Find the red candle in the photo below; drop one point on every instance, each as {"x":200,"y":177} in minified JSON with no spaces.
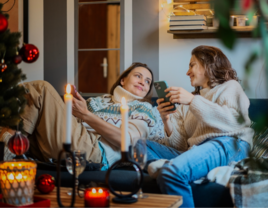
{"x":97,"y":197}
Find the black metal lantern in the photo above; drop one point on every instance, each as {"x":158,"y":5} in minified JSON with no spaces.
{"x":66,"y":149}
{"x":120,"y":198}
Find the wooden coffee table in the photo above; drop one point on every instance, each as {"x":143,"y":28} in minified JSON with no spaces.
{"x":154,"y":200}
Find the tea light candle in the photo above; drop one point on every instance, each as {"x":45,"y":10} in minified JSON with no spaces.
{"x":124,"y":125}
{"x":68,"y":98}
{"x":97,"y":197}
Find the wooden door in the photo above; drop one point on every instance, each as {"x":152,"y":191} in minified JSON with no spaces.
{"x":92,"y":35}
{"x":99,"y":38}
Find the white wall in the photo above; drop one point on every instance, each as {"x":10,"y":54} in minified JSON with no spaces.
{"x":34,"y":71}
{"x":175,"y":54}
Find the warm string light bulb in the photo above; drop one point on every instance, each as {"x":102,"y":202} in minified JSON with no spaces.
{"x":163,"y":6}
{"x":169,"y":1}
{"x":180,"y":6}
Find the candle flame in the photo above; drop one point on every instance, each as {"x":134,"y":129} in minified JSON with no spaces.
{"x":19,"y":176}
{"x":123,"y":101}
{"x":100,"y":191}
{"x":68,"y":89}
{"x":10,"y":176}
{"x":93,"y":191}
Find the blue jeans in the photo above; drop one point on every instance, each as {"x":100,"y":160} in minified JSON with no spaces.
{"x":176,"y":175}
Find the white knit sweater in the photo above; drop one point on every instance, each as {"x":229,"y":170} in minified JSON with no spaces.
{"x":221,"y":111}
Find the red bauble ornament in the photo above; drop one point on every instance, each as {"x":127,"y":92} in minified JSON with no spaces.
{"x":246,"y":4}
{"x":17,"y":59}
{"x":3,"y":23}
{"x":45,"y":183}
{"x":18,"y":144}
{"x":29,"y":53}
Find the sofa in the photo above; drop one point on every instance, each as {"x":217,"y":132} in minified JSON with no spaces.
{"x":205,"y":195}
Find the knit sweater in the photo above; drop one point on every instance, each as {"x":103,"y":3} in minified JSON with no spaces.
{"x":141,"y":120}
{"x":220,"y":111}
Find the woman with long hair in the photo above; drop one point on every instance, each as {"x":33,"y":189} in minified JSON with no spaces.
{"x":99,"y":132}
{"x":209,"y":128}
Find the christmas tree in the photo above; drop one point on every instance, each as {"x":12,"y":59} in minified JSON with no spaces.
{"x":12,"y":95}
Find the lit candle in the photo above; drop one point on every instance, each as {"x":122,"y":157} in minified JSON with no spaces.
{"x":124,"y":126}
{"x":68,"y":98}
{"x":97,"y":197}
{"x":17,"y":182}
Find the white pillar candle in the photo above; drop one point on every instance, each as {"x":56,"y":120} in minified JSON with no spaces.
{"x":68,"y":98}
{"x":124,"y":126}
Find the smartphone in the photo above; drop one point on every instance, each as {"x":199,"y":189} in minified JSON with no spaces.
{"x":73,"y":91}
{"x":160,"y":87}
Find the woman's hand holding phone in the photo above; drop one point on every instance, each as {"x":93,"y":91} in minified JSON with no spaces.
{"x":179,"y":95}
{"x":164,"y":109}
{"x":79,"y":106}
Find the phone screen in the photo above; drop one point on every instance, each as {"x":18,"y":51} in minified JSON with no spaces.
{"x":73,"y":91}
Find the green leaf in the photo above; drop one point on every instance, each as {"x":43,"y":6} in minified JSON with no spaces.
{"x":264,"y":7}
{"x":250,"y":14}
{"x":227,"y":36}
{"x":252,"y":58}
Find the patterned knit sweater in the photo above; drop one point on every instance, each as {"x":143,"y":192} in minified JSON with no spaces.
{"x":141,"y":123}
{"x":221,"y":111}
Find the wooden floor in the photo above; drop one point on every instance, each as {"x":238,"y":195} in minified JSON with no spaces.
{"x":154,"y":200}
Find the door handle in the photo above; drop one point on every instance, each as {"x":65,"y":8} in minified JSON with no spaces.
{"x":105,"y":67}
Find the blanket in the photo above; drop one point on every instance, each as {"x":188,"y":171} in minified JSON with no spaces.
{"x":249,"y":184}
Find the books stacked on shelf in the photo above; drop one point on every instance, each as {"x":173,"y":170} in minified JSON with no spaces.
{"x":189,"y":22}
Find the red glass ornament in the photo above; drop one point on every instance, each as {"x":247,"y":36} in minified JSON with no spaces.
{"x":18,"y":144}
{"x":17,"y":59}
{"x":45,"y":183}
{"x":29,"y":53}
{"x":246,"y":4}
{"x":3,"y":23}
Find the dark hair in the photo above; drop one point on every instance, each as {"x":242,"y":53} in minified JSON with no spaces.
{"x":134,"y":65}
{"x":218,"y":68}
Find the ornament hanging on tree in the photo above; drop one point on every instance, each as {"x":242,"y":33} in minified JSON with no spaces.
{"x":3,"y":23}
{"x":45,"y":183}
{"x":3,"y":66}
{"x":17,"y":59}
{"x":29,"y":53}
{"x":246,"y":4}
{"x":18,"y":144}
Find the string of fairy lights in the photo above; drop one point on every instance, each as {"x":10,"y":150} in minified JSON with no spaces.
{"x":181,"y":6}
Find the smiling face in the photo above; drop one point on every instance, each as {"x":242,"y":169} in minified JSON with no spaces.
{"x":196,"y":73}
{"x":138,"y":81}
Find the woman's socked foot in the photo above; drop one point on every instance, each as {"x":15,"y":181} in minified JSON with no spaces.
{"x":155,"y":167}
{"x":5,"y":135}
